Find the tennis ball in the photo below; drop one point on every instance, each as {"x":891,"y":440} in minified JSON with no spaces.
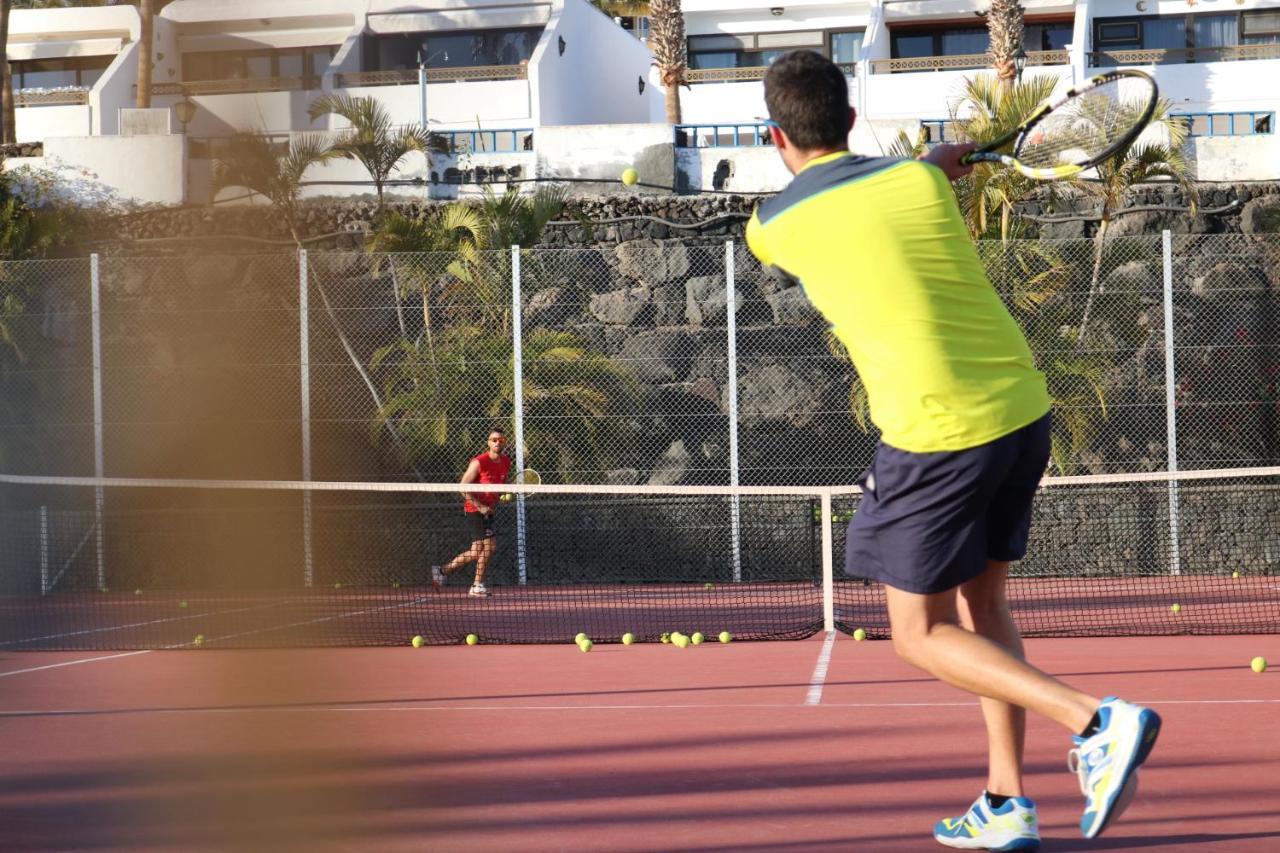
{"x":395,"y":584}
{"x":697,"y":638}
{"x":198,"y":641}
{"x":628,"y":638}
{"x":472,"y":639}
{"x":630,"y":176}
{"x":182,"y":604}
{"x":580,"y":637}
{"x":586,"y":645}
{"x":1258,"y":664}
{"x":1176,"y":608}
{"x":725,"y":636}
{"x":665,"y":637}
{"x":417,"y":641}
{"x":506,"y":498}
{"x":137,"y":592}
{"x":337,"y":586}
{"x":1235,"y":574}
{"x":682,"y":642}
{"x":859,"y":635}
{"x":708,"y":585}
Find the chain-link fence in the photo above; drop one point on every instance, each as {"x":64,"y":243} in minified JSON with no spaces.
{"x":630,"y":364}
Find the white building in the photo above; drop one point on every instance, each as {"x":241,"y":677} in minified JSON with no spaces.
{"x":555,"y":88}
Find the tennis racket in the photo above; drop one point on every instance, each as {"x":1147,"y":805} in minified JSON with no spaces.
{"x":1087,"y":125}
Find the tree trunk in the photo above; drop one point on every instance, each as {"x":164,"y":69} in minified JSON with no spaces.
{"x":9,"y":134}
{"x":146,"y":8}
{"x":1095,"y":286}
{"x":673,"y":104}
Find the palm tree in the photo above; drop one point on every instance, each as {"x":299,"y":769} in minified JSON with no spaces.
{"x":1141,"y":161}
{"x":670,"y":51}
{"x":373,"y":139}
{"x":254,"y":162}
{"x":1004,"y":25}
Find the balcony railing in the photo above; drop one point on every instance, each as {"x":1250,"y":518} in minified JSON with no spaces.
{"x":962,"y":61}
{"x":748,"y":134}
{"x":1177,"y":56}
{"x":237,"y":86}
{"x":737,"y":75}
{"x":38,"y":98}
{"x":409,"y":76}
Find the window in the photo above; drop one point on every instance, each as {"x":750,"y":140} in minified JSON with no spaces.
{"x":1228,"y":124}
{"x":1048,"y":36}
{"x":306,"y":62}
{"x":845,"y":48}
{"x":1261,"y":27}
{"x":400,"y":52}
{"x":749,"y":50}
{"x":1210,"y":32}
{"x":938,"y":131}
{"x":58,"y":73}
{"x":945,"y":41}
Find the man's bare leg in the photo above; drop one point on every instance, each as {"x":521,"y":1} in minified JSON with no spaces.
{"x":472,"y":553}
{"x":984,"y":609}
{"x":927,"y":634}
{"x":487,"y":547}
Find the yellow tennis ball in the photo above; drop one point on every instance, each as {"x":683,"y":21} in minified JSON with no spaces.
{"x":1258,"y":664}
{"x":1176,"y":608}
{"x":198,"y":641}
{"x":506,"y":498}
{"x":665,"y":637}
{"x":586,"y":645}
{"x":580,"y":637}
{"x":725,"y":636}
{"x":628,"y":638}
{"x":337,"y":586}
{"x":1235,"y":574}
{"x":697,"y":638}
{"x":395,"y":584}
{"x":859,"y":635}
{"x":182,"y":604}
{"x":417,"y":641}
{"x":682,"y":642}
{"x":137,"y":592}
{"x":630,"y":176}
{"x":708,"y":585}
{"x":472,"y":639}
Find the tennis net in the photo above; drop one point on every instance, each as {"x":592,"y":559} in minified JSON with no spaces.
{"x":103,"y":563}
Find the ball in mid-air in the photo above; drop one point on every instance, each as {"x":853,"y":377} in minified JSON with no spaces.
{"x":586,"y":645}
{"x":417,"y":641}
{"x":859,"y":635}
{"x":1258,"y":664}
{"x":472,"y":639}
{"x":725,"y":636}
{"x":1175,"y":608}
{"x":630,"y":176}
{"x":628,"y":638}
{"x":697,"y":638}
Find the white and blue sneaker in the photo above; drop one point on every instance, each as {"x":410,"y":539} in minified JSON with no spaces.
{"x":1107,"y":761}
{"x":1012,"y":826}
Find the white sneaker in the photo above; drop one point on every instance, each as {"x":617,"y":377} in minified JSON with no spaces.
{"x":1013,"y":826}
{"x":1108,"y":761}
{"x":479,"y":590}
{"x":437,"y":578}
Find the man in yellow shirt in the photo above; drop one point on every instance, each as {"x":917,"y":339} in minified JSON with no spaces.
{"x":881,"y":250}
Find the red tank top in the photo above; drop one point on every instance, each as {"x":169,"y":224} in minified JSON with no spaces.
{"x":491,"y":471}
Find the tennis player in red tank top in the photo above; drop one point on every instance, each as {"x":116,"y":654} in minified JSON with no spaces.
{"x":492,"y":466}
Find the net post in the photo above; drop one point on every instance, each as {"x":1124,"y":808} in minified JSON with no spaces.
{"x":99,"y":464}
{"x":44,"y":549}
{"x":828,"y":566}
{"x":1170,"y":401}
{"x":517,"y":412}
{"x":304,"y":373}
{"x":731,"y":334}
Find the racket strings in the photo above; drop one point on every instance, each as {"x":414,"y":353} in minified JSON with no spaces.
{"x":1086,"y":128}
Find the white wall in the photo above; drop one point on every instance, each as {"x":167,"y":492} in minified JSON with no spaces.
{"x":590,"y":152}
{"x":930,"y":94}
{"x":595,"y":81}
{"x":223,"y":115}
{"x":505,"y":103}
{"x":147,"y":169}
{"x":33,"y":124}
{"x":1235,"y":158}
{"x":750,"y":170}
{"x":114,"y":91}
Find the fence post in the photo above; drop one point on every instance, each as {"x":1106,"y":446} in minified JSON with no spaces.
{"x":517,"y":405}
{"x":1170,"y":401}
{"x":99,"y":467}
{"x":44,"y":549}
{"x":828,"y":564}
{"x":731,"y":333}
{"x":304,"y":373}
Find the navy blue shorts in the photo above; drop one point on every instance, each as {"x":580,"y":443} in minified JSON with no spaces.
{"x":929,"y":522}
{"x":481,"y":525}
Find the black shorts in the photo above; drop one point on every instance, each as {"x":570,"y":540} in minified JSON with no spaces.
{"x":481,"y":525}
{"x":929,"y":522}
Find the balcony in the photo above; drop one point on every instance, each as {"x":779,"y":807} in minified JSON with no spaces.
{"x":738,"y":75}
{"x":1178,"y":56}
{"x":409,"y":76}
{"x":237,"y":86}
{"x":962,"y":61}
{"x":50,"y":97}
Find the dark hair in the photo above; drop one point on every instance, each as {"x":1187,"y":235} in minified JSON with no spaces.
{"x":499,"y":430}
{"x":809,"y":99}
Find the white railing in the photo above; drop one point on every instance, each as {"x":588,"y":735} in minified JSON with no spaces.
{"x":408,"y":76}
{"x":1175,"y":56}
{"x":961,"y":61}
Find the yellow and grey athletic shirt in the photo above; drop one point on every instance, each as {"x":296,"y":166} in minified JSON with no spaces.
{"x":881,"y":250}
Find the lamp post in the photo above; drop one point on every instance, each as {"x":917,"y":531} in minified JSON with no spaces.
{"x":423,"y":59}
{"x":185,"y":110}
{"x":1020,"y":62}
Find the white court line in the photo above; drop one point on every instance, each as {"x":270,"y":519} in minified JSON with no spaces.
{"x":186,"y":617}
{"x":343,"y":709}
{"x":819,"y":677}
{"x":72,"y":662}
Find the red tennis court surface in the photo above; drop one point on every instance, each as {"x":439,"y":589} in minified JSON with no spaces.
{"x":641,"y":748}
